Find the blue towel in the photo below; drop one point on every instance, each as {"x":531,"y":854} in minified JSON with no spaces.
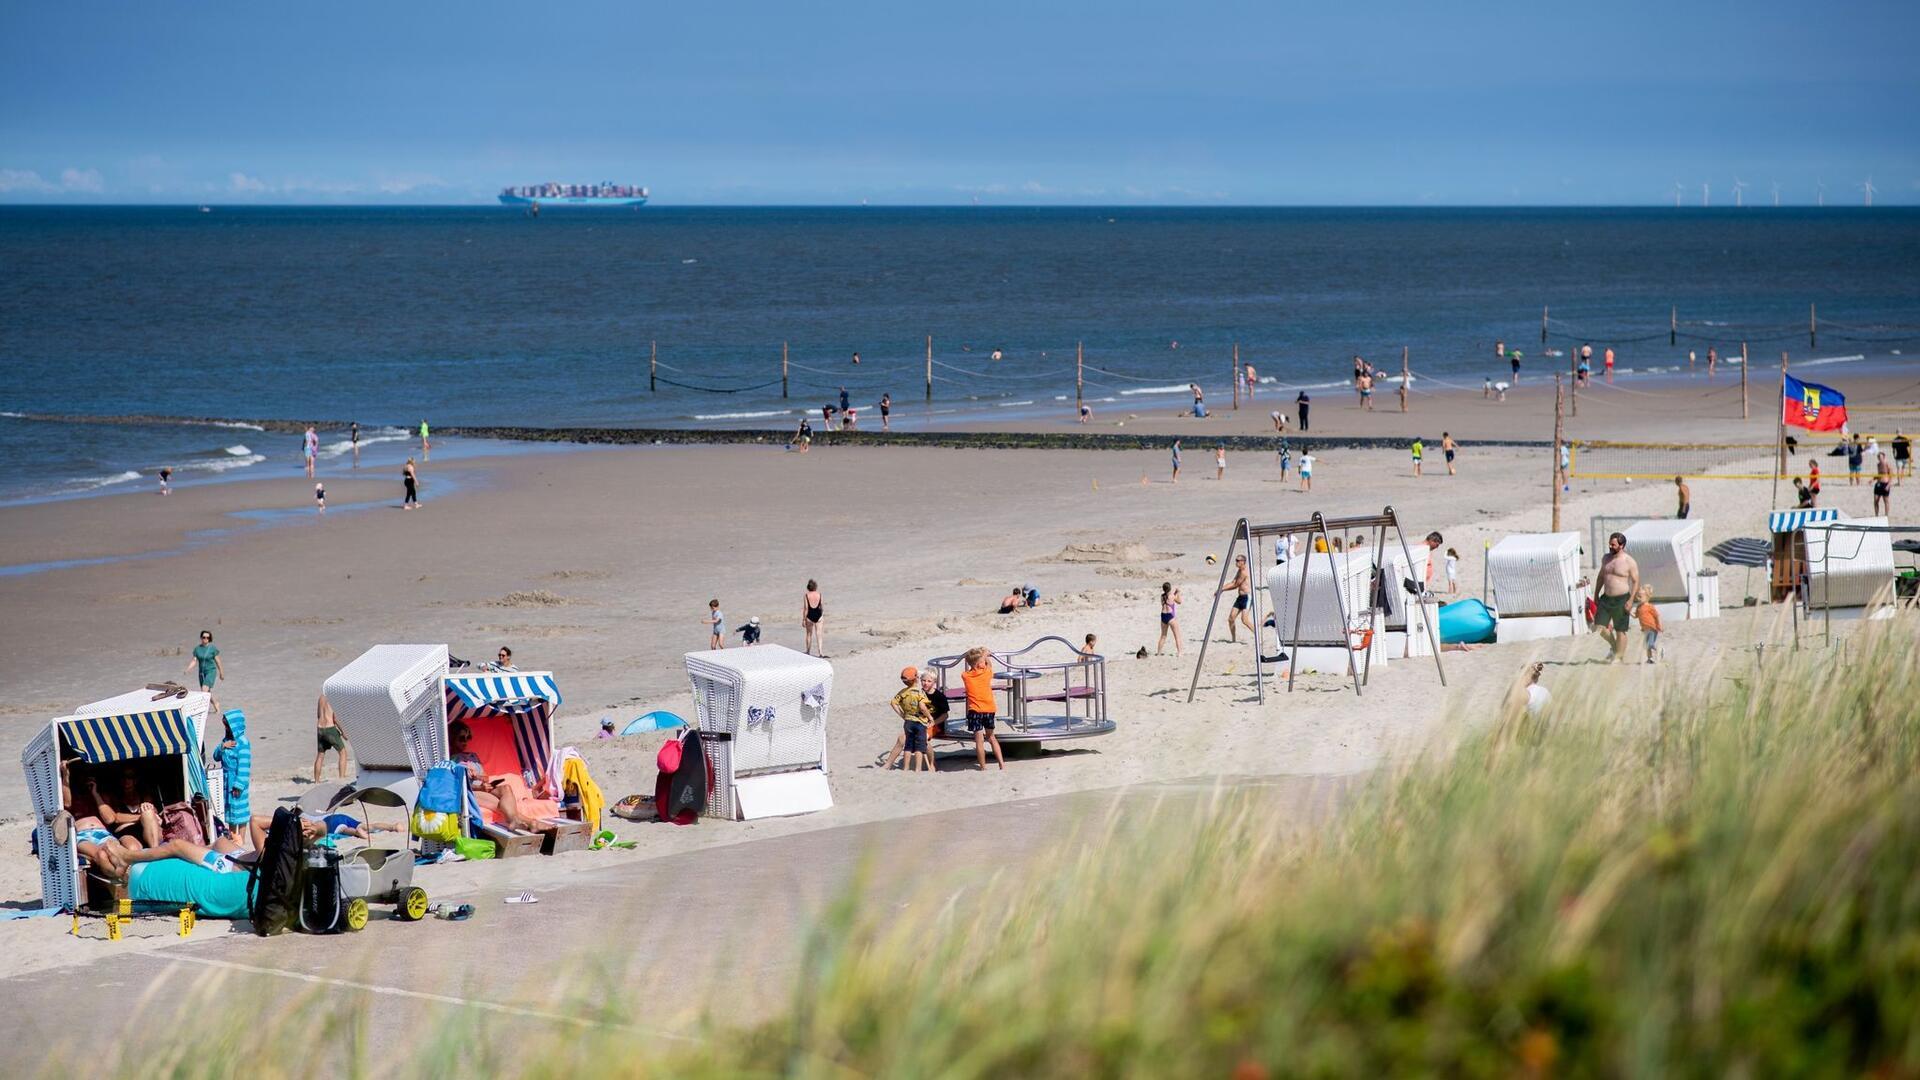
{"x":237,"y":760}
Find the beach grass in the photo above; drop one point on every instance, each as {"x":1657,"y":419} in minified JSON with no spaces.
{"x":1701,"y":872}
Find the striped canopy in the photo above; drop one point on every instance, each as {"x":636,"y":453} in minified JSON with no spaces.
{"x":482,"y":690}
{"x":525,"y":701}
{"x":125,"y":736}
{"x":1781,"y":521}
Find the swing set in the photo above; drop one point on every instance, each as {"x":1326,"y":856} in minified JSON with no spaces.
{"x":1360,"y":617}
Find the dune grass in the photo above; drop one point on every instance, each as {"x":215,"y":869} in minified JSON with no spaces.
{"x":1719,"y":874}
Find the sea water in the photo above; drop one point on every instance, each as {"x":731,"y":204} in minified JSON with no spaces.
{"x":485,"y":315}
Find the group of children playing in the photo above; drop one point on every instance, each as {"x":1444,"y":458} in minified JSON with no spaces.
{"x":921,"y":705}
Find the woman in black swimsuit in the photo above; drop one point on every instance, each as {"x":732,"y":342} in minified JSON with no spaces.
{"x":812,"y":608}
{"x":413,"y":487}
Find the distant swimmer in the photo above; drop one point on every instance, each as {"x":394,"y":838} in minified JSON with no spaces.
{"x":856,"y":357}
{"x":996,"y":355}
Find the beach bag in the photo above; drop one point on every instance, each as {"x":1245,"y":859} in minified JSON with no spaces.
{"x":436,"y":812}
{"x":473,"y":849}
{"x":685,"y":783}
{"x":274,"y":878}
{"x":179,"y":822}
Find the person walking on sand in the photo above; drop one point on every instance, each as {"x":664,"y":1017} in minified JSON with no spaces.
{"x":812,"y":610}
{"x":320,"y":496}
{"x":1856,"y":457}
{"x":981,"y":708}
{"x":1649,"y":617}
{"x":412,"y":481}
{"x":716,"y":626}
{"x":1306,"y":471}
{"x":1685,"y":495}
{"x":1300,"y":405}
{"x":1447,"y":447}
{"x":1219,"y":463}
{"x":1606,"y":364}
{"x":310,"y":447}
{"x":328,"y":736}
{"x":1176,"y":461}
{"x":1513,"y":357}
{"x":1882,"y":487}
{"x":1453,"y":572}
{"x":1366,"y":392}
{"x":1902,"y":456}
{"x":1253,"y":380}
{"x":1613,"y":589}
{"x":425,"y":444}
{"x":1169,"y":619}
{"x":353,"y":436}
{"x":886,"y":409}
{"x":1813,"y":482}
{"x":206,"y":667}
{"x":1713,"y":360}
{"x":1284,"y":455}
{"x":1242,"y":599}
{"x":1419,"y":450}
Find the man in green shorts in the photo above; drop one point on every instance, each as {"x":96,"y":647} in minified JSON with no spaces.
{"x":329,"y":737}
{"x":1613,"y":591}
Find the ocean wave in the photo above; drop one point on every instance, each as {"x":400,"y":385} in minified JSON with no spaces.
{"x":14,"y":415}
{"x":345,"y":446}
{"x":91,"y":482}
{"x":221,"y":464}
{"x":1011,"y":404}
{"x":238,"y":450}
{"x":1180,"y":389}
{"x":761,"y":414}
{"x":1825,"y":360}
{"x":241,"y":424}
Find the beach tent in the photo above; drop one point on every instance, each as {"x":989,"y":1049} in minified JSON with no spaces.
{"x":768,"y":706}
{"x":1672,"y":563}
{"x":1790,"y":546}
{"x":396,"y":702}
{"x":165,"y":731}
{"x":1404,"y":640}
{"x":1849,"y":564}
{"x":1326,"y":597}
{"x":1536,"y":586}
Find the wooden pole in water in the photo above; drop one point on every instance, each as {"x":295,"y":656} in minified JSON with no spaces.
{"x":783,"y":369}
{"x":1543,"y":324}
{"x":1744,"y":414}
{"x":1236,"y":376}
{"x":653,"y":368}
{"x":1673,"y":326}
{"x":1573,"y":380}
{"x":1558,"y":436}
{"x":1813,"y":326}
{"x":929,"y":369}
{"x":1404,"y":376}
{"x":1079,"y":377}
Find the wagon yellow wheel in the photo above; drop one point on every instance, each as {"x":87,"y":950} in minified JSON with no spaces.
{"x":413,"y":906}
{"x":356,"y":914}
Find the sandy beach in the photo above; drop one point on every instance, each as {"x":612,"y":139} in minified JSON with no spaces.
{"x":598,"y":564}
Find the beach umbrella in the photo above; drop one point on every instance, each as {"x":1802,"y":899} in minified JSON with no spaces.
{"x":1744,"y":551}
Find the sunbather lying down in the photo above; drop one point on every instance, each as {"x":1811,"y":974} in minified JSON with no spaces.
{"x":185,"y":873}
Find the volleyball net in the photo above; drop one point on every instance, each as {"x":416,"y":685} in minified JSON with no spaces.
{"x":1605,"y":460}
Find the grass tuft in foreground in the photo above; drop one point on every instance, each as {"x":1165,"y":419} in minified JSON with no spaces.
{"x":1709,"y":878}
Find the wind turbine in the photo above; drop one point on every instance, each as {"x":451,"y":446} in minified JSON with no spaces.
{"x":1739,"y":186}
{"x":1704,"y":199}
{"x":1679,"y":190}
{"x":1867,"y":188}
{"x":1776,"y":194}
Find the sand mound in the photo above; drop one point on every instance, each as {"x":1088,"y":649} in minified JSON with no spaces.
{"x":530,"y":598}
{"x":1107,"y":553}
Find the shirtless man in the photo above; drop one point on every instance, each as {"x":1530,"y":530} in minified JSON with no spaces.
{"x":1613,"y":590}
{"x":328,"y":736}
{"x":1685,"y":495}
{"x":1241,"y":600}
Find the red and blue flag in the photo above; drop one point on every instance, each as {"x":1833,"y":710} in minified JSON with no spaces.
{"x":1812,"y":406}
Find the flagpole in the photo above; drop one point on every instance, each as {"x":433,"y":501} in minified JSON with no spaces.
{"x":1780,"y":435}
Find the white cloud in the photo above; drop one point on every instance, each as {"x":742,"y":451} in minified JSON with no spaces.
{"x":241,"y":183}
{"x":408,"y":182}
{"x":26,"y":180}
{"x":87,"y":180}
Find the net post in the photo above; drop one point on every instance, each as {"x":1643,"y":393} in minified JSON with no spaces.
{"x":1558,"y":435}
{"x":1744,"y":413}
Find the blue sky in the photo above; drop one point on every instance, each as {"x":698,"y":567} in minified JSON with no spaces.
{"x":1385,"y":102}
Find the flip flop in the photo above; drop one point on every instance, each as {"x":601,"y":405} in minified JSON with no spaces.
{"x":523,"y":898}
{"x":460,"y":914}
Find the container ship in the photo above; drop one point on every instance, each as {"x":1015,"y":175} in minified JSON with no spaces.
{"x":602,"y":194}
